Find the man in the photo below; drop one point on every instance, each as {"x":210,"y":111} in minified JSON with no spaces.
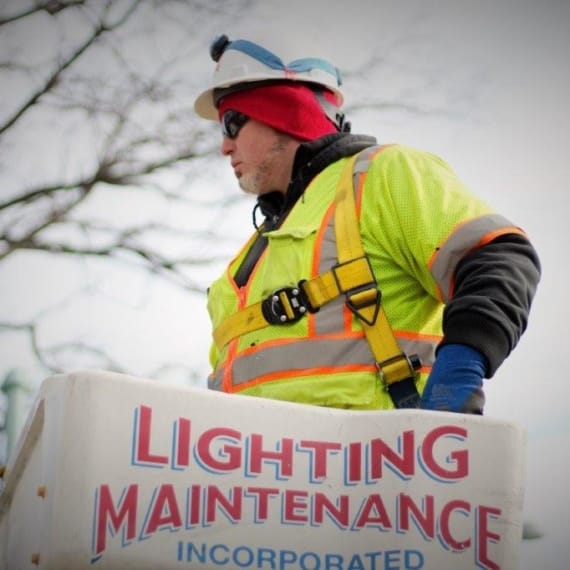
{"x":408,"y":297}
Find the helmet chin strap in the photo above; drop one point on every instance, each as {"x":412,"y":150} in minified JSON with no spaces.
{"x":333,"y":114}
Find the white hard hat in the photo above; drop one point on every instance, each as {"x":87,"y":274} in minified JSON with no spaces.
{"x":241,"y":64}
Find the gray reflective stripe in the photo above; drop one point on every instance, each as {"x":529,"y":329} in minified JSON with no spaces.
{"x":425,"y":349}
{"x":363,"y":161}
{"x":330,"y":317}
{"x":308,"y":354}
{"x":458,"y":244}
{"x":302,"y":355}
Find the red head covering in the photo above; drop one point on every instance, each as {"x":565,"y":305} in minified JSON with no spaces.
{"x":291,"y":108}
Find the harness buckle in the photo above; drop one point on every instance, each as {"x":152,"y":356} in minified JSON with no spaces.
{"x":286,"y":305}
{"x":361,"y":296}
{"x":403,"y":390}
{"x":411,"y":364}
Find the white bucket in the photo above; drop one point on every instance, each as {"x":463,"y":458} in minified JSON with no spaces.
{"x":118,"y":472}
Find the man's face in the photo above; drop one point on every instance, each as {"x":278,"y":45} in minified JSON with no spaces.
{"x":262,"y":158}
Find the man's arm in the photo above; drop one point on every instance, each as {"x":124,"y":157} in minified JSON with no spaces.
{"x":483,"y":322}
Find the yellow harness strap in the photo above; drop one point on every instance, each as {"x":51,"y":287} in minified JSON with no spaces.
{"x":318,"y":291}
{"x":352,"y":276}
{"x":393,"y":364}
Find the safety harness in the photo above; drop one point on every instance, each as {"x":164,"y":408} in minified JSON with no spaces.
{"x":352,"y":277}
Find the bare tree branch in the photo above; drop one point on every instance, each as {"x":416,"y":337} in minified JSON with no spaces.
{"x":100,"y":29}
{"x":43,"y":191}
{"x":52,"y":7}
{"x":103,"y":160}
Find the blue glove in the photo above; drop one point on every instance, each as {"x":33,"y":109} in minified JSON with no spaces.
{"x":456,"y":381}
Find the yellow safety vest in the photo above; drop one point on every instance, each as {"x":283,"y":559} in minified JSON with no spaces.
{"x":323,"y":357}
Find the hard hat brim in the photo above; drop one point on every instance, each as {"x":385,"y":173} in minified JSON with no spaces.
{"x":204,"y":105}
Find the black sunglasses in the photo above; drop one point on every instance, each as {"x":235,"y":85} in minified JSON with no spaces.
{"x":232,"y":122}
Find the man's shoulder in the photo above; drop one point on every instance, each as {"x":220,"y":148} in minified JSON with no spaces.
{"x":402,"y":156}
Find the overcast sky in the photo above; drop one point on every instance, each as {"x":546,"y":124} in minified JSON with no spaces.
{"x":500,"y":69}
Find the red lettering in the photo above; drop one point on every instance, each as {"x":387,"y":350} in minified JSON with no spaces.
{"x":339,"y":512}
{"x":230,"y":505}
{"x":295,"y":501}
{"x":108,"y":517}
{"x":142,"y":429}
{"x":232,"y":453}
{"x":373,"y":512}
{"x":460,"y":458}
{"x":261,"y":496}
{"x":424,"y":517}
{"x":354,"y":462}
{"x":319,"y":451}
{"x":165,"y":510}
{"x":283,"y":458}
{"x":484,"y":536}
{"x":183,"y":443}
{"x":194,"y":508}
{"x":445,"y":524}
{"x":380,"y":453}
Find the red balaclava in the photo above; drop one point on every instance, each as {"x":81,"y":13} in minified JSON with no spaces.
{"x":291,"y":108}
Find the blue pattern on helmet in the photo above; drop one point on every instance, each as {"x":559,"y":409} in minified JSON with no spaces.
{"x":274,"y":62}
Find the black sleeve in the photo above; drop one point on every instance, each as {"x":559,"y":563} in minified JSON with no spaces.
{"x":494,"y":289}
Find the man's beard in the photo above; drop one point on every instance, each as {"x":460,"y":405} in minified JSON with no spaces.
{"x":256,"y":181}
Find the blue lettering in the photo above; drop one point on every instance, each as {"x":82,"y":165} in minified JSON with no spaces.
{"x":191,"y":550}
{"x":372,"y":556}
{"x":224,"y":549}
{"x":249,"y":556}
{"x":316,"y":559}
{"x":392,"y":557}
{"x":270,"y":559}
{"x":413,"y":559}
{"x":333,"y":562}
{"x":356,"y":563}
{"x":286,"y":557}
{"x":266,"y":555}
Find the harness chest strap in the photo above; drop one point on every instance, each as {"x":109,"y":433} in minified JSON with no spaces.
{"x":352,"y":277}
{"x":392,"y":363}
{"x":289,"y":304}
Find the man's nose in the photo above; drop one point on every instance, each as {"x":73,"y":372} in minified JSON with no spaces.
{"x":227,"y":146}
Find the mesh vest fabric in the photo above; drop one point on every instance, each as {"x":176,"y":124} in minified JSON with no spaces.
{"x":410,"y":207}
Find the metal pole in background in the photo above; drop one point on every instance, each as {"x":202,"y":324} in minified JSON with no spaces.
{"x":17,"y":388}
